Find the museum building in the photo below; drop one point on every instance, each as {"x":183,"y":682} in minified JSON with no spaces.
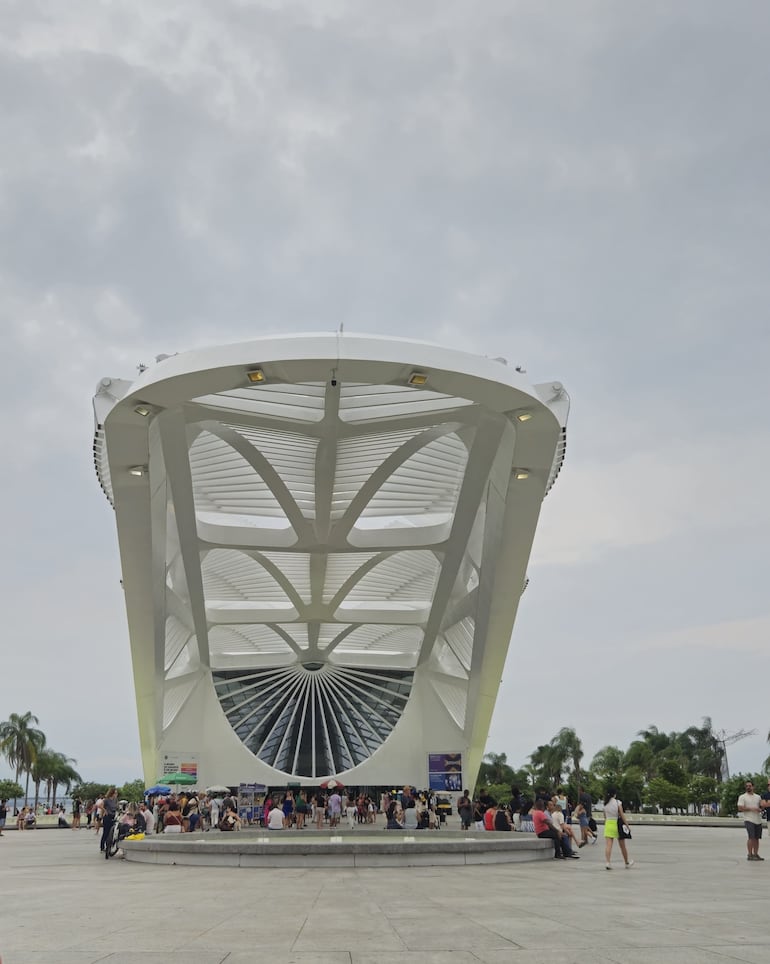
{"x":323,"y":543}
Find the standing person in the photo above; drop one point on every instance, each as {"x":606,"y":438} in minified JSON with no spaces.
{"x":765,"y":803}
{"x":215,"y":807}
{"x":320,"y":811}
{"x":465,"y":810}
{"x":613,"y":813}
{"x":3,"y":816}
{"x":301,"y":810}
{"x":98,"y":814}
{"x":335,"y":809}
{"x":750,"y":805}
{"x":585,"y":829}
{"x":77,"y":806}
{"x":109,"y":811}
{"x":288,"y":810}
{"x":350,"y":812}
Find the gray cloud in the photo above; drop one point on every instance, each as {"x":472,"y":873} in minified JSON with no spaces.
{"x":580,"y":188}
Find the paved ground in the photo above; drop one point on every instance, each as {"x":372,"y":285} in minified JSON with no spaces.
{"x":692,"y":898}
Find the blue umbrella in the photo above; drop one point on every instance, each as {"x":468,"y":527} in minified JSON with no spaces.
{"x":157,"y":791}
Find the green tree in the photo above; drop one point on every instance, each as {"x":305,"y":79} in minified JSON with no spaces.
{"x":656,"y":740}
{"x":607,"y":764}
{"x":20,"y":743}
{"x":673,"y":771}
{"x":494,"y":769}
{"x":548,"y":761}
{"x":90,"y":791}
{"x":41,"y":770}
{"x":732,"y":789}
{"x":702,"y":750}
{"x":661,"y":793}
{"x":568,"y":747}
{"x":133,"y":791}
{"x":63,"y":773}
{"x":631,"y":787}
{"x":9,"y":790}
{"x":700,"y":790}
{"x":640,"y":754}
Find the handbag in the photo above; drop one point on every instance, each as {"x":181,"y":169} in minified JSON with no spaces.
{"x":592,"y":824}
{"x":624,"y":831}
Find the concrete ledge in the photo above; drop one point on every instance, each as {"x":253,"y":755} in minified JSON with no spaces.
{"x":383,"y":849}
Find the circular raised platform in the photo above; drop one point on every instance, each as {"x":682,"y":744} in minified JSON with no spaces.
{"x":385,"y":848}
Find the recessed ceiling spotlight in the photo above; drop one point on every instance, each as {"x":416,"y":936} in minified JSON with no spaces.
{"x":138,"y":470}
{"x":524,"y":416}
{"x":143,"y":409}
{"x":256,"y":376}
{"x":520,"y":474}
{"x":418,"y":378}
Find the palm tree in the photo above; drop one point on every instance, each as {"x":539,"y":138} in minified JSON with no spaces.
{"x":656,"y":740}
{"x":703,"y":750}
{"x":41,"y":770}
{"x":64,"y":773}
{"x":567,"y":744}
{"x":608,"y":764}
{"x":20,"y":743}
{"x":498,"y":767}
{"x":549,"y":761}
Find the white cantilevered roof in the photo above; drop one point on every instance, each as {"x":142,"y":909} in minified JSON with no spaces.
{"x":311,"y":541}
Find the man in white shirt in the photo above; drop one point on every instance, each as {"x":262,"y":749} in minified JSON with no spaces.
{"x":750,"y":805}
{"x":149,"y":819}
{"x":275,"y":819}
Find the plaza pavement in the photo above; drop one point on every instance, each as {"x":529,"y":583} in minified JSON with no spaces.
{"x":692,"y":898}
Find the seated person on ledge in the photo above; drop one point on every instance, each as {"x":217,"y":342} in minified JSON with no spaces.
{"x":231,"y":820}
{"x":275,"y":819}
{"x":544,"y":828}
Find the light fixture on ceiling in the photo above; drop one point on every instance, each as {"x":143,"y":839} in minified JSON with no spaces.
{"x":418,"y":378}
{"x":138,"y":470}
{"x":256,"y":376}
{"x":520,"y":474}
{"x":143,"y":409}
{"x":524,"y":416}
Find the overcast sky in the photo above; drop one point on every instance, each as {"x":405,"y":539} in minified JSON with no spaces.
{"x":579,"y":186}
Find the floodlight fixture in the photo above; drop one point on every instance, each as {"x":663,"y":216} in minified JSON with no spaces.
{"x":143,"y":409}
{"x":524,"y":416}
{"x":256,"y":376}
{"x":138,"y":471}
{"x":520,"y":474}
{"x":418,"y":378}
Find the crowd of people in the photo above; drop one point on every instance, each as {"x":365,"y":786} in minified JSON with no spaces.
{"x":550,"y":815}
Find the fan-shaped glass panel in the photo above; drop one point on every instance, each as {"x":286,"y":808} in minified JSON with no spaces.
{"x":314,"y":719}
